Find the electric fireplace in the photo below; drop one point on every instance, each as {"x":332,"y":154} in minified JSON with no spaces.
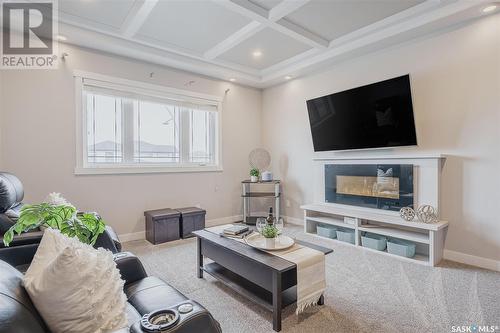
{"x":381,"y":186}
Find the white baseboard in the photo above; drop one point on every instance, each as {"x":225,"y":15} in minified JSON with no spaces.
{"x":140,"y":235}
{"x":447,"y":254}
{"x":472,"y":260}
{"x":460,"y":257}
{"x":132,"y":236}
{"x":294,"y":220}
{"x":223,"y":220}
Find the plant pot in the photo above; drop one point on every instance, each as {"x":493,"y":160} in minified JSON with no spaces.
{"x":254,"y":179}
{"x":270,"y":242}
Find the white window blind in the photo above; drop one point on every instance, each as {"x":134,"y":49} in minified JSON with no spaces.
{"x":128,"y":125}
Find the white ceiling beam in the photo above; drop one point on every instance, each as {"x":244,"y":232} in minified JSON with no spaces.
{"x":249,"y":30}
{"x":262,"y":19}
{"x":285,"y":8}
{"x":116,"y":44}
{"x":137,"y":16}
{"x":277,"y":20}
{"x":297,"y":32}
{"x":419,"y":9}
{"x":245,"y":8}
{"x":304,"y":56}
{"x":443,"y":16}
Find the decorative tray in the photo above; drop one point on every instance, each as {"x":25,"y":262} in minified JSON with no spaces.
{"x":260,"y":242}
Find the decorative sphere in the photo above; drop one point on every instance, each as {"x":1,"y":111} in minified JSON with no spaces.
{"x":259,"y":158}
{"x":427,"y":214}
{"x":407,"y":213}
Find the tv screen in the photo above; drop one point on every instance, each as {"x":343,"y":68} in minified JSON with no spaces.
{"x":377,"y":115}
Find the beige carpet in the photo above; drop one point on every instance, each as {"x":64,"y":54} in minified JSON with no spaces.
{"x":366,"y":292}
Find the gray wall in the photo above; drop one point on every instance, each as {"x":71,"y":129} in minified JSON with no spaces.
{"x":38,"y":143}
{"x":1,"y":120}
{"x":456,"y":84}
{"x":456,"y":94}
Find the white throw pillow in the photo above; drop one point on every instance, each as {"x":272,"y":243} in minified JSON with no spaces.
{"x":51,"y":245}
{"x":76,"y":288}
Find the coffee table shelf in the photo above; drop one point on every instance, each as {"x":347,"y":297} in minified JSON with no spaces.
{"x":263,"y":278}
{"x":248,"y":289}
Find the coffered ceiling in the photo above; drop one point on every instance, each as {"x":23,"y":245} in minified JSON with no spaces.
{"x":254,"y":42}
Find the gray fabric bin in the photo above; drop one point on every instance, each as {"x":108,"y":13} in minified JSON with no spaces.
{"x":373,"y":241}
{"x":325,"y":230}
{"x":346,"y":235}
{"x":162,"y":225}
{"x":401,"y":247}
{"x":191,"y":219}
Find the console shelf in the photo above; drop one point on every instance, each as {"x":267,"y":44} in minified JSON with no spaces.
{"x":398,"y":233}
{"x":429,"y":238}
{"x":331,"y":220}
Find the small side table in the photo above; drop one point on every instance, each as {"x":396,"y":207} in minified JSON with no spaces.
{"x":247,"y":193}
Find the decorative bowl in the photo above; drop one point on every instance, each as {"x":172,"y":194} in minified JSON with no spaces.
{"x":260,"y":242}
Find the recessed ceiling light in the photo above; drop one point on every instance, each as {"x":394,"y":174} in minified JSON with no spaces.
{"x":61,"y":38}
{"x":489,"y":9}
{"x":232,"y":79}
{"x":257,"y":53}
{"x":288,"y":77}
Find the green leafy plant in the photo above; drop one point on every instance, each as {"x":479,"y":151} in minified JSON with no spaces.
{"x":254,"y":172}
{"x":85,"y":226}
{"x":270,"y":231}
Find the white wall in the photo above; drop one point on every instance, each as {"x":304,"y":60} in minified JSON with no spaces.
{"x":456,"y":94}
{"x":1,"y":120}
{"x":456,"y":86}
{"x":38,"y":143}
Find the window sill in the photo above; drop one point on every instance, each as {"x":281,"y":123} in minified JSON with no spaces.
{"x":113,"y":170}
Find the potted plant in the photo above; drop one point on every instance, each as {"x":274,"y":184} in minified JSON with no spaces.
{"x":254,"y":175}
{"x":270,"y":232}
{"x":59,"y":214}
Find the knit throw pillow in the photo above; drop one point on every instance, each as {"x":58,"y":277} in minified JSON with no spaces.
{"x":75,"y":287}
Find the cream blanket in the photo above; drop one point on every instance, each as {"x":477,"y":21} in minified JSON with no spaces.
{"x":310,"y":263}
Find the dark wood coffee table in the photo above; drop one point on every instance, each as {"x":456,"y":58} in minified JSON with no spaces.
{"x":263,"y":278}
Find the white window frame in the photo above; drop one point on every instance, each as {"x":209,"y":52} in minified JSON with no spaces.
{"x":136,"y":87}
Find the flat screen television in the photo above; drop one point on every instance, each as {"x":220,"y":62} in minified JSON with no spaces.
{"x":378,"y":115}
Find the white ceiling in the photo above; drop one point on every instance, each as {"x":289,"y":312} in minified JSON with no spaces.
{"x":195,"y":26}
{"x":109,"y":15}
{"x":274,"y":45}
{"x":217,"y":37}
{"x":333,"y":19}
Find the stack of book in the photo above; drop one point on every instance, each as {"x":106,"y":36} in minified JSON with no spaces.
{"x":236,"y":231}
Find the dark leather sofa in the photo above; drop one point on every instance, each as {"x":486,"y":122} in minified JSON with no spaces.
{"x":11,"y":197}
{"x":145,"y":294}
{"x":23,"y":246}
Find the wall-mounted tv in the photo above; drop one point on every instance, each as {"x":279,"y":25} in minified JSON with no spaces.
{"x":378,"y":115}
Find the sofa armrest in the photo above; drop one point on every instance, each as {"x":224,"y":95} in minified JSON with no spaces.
{"x":18,"y":255}
{"x":109,"y":240}
{"x":199,"y":320}
{"x":122,"y":330}
{"x":130,"y":267}
{"x":26,"y":238}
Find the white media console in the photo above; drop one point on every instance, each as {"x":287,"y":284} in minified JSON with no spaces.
{"x":429,"y":238}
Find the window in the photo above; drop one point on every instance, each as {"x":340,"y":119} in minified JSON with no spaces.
{"x":136,"y":127}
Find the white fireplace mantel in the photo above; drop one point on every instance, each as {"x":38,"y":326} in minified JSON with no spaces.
{"x":427,"y":173}
{"x":427,"y":168}
{"x":325,"y":156}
